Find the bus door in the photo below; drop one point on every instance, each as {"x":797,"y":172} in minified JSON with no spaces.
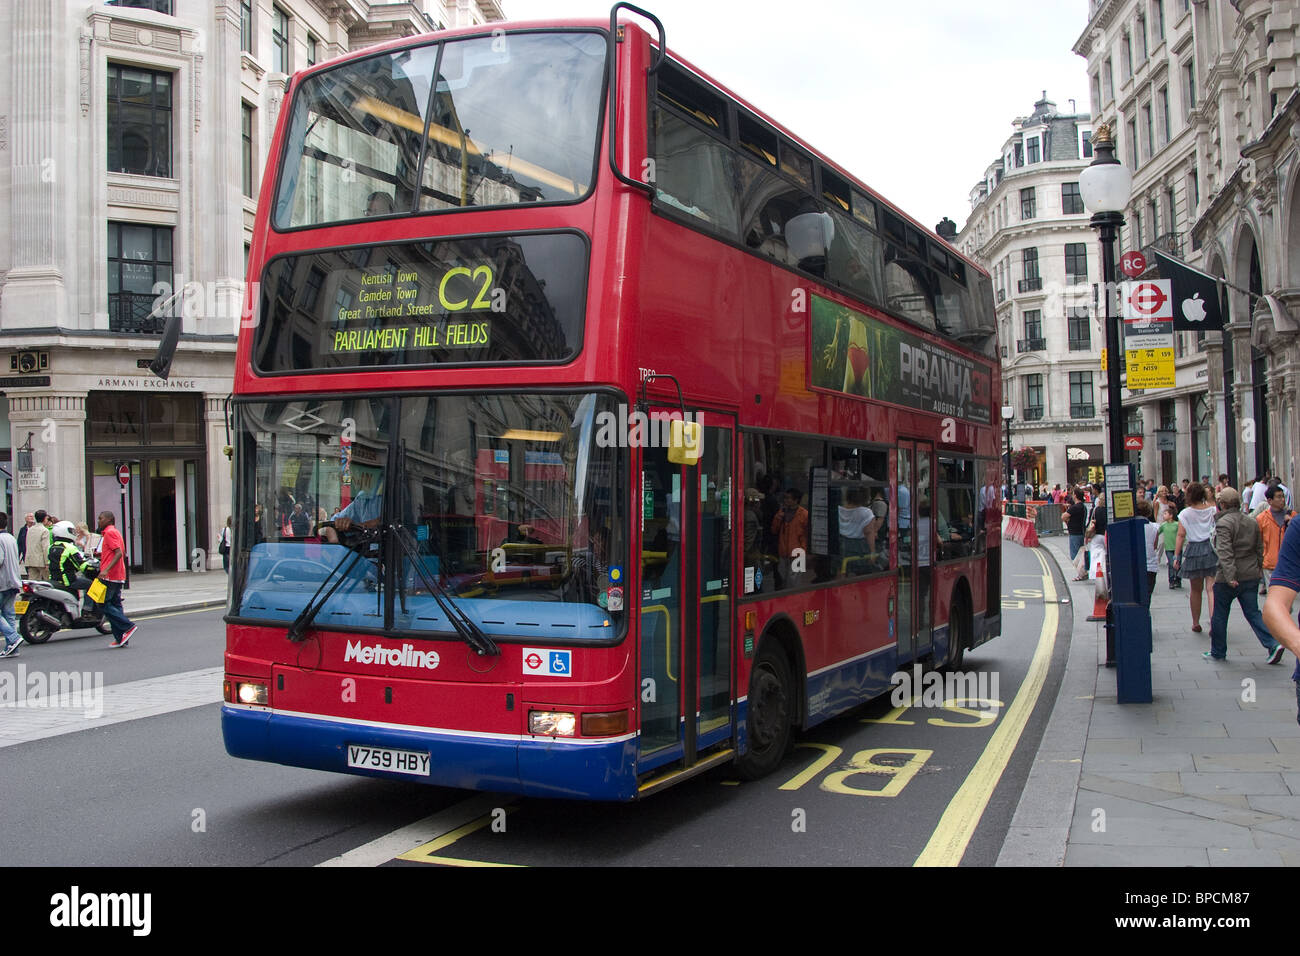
{"x":687,"y":598}
{"x":915,"y":548}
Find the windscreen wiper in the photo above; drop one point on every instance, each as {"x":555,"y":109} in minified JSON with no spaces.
{"x":469,"y":632}
{"x":297,"y":632}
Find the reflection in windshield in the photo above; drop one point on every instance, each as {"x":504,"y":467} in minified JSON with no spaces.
{"x":510,"y":505}
{"x":512,"y":119}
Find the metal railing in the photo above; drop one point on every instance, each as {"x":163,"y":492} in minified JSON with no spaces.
{"x":1030,"y":285}
{"x":130,"y":312}
{"x":1170,"y":242}
{"x":1031,"y":345}
{"x":1083,"y":411}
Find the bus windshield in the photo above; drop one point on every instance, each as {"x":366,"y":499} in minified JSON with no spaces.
{"x":507,"y":501}
{"x":511,"y":119}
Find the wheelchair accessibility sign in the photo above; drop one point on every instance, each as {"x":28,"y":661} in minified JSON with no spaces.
{"x":548,"y":663}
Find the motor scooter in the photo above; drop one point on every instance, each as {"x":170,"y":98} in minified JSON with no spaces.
{"x":43,"y":608}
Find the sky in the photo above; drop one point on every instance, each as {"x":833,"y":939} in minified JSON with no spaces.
{"x":915,"y":98}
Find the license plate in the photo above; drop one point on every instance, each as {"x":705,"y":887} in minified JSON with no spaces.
{"x":382,"y":758}
{"x":20,"y":607}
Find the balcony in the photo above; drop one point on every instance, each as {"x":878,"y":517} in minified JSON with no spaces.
{"x":1030,"y":285}
{"x":1031,"y":345}
{"x":1033,"y":413}
{"x":1081,"y":345}
{"x":1170,"y":242}
{"x":130,"y":312}
{"x":1083,"y":411}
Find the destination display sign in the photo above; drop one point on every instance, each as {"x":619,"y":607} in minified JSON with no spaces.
{"x":449,"y":302}
{"x":855,"y":354}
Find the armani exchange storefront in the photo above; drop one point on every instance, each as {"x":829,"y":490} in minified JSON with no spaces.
{"x":167,"y":438}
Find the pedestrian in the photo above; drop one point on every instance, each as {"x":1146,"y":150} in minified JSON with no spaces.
{"x":1194,"y":555}
{"x":30,"y":520}
{"x":1239,"y":547}
{"x":1095,"y":533}
{"x":1258,"y":499}
{"x":1180,"y":496}
{"x":38,"y":547}
{"x":10,"y":584}
{"x":1282,"y":591}
{"x":1151,"y":535}
{"x":112,"y":572}
{"x":227,"y":538}
{"x":1168,"y":541}
{"x":1076,"y":515}
{"x":1272,"y":523}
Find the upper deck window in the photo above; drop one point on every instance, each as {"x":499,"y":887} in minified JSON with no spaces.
{"x":509,"y":120}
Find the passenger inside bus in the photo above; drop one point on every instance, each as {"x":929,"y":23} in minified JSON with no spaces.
{"x":379,"y":204}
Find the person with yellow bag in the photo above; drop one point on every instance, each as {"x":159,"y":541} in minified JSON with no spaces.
{"x":112,"y":574}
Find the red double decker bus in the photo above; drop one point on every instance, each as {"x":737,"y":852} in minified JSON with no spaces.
{"x":473,"y":549}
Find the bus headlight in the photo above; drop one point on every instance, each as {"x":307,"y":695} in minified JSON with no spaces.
{"x":249,"y":693}
{"x":548,"y":723}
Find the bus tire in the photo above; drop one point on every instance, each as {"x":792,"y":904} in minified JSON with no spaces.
{"x":960,"y":628}
{"x":768,"y":715}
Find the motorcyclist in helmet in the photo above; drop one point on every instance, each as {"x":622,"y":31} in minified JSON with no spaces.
{"x":67,"y":565}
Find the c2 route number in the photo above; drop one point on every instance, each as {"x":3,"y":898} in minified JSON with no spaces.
{"x":480,"y":302}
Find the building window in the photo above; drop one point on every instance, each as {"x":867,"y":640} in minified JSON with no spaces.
{"x":1166,"y":128}
{"x":1076,"y":262}
{"x":247,"y":147}
{"x":280,"y":40}
{"x":1028,"y":204}
{"x":1136,"y":234}
{"x":1133,"y":144}
{"x":1142,"y":38}
{"x":139,"y":121}
{"x":1081,"y":403}
{"x":1194,"y":194}
{"x":1126,"y":57}
{"x":1020,"y":155}
{"x":1171,"y":219}
{"x":158,"y":6}
{"x":1096,"y":92}
{"x":1189,"y":89}
{"x":1154,"y":212}
{"x":1085,"y":140}
{"x":138,"y":258}
{"x":1079,"y":327}
{"x":246,"y":25}
{"x":1032,"y":149}
{"x":1071,"y":200}
{"x":1108,"y":80}
{"x":1032,"y":280}
{"x":1158,"y":7}
{"x":1148,"y":143}
{"x":1033,"y":398}
{"x":1034,"y":325}
{"x":313,"y":50}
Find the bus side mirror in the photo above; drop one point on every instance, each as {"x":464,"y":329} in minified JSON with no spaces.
{"x":685,"y":442}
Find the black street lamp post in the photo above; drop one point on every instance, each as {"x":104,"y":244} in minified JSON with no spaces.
{"x":1105,"y":187}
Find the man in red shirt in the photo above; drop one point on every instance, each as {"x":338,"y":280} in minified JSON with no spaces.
{"x":112,"y":571}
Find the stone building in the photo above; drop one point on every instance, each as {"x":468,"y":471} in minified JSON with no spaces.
{"x":1202,"y":98}
{"x":132,"y":139}
{"x":1028,"y":227}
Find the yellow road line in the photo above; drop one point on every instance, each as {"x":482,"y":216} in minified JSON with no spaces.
{"x":950,"y":838}
{"x":425,"y":853}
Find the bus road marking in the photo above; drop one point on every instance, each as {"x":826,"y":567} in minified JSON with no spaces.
{"x":950,"y":838}
{"x":427,"y":852}
{"x":420,"y":833}
{"x":830,"y":753}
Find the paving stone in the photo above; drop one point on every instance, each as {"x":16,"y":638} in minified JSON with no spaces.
{"x":1286,"y":745}
{"x":1238,"y":812}
{"x":1136,"y":762}
{"x":1033,"y":846}
{"x":1113,"y":745}
{"x":1207,"y":745}
{"x":1285,"y":806}
{"x":1143,"y":787}
{"x":1208,"y":763}
{"x":1236,"y":782}
{"x":1244,"y":856}
{"x":1091,"y":855}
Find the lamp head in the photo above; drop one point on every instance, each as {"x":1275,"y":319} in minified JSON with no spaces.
{"x":1008,"y":413}
{"x":1106,"y":184}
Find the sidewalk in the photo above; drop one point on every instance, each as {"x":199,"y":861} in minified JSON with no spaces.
{"x":1208,"y":774}
{"x":174,"y":591}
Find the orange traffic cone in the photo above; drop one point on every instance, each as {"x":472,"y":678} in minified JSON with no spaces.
{"x":1099,"y":603}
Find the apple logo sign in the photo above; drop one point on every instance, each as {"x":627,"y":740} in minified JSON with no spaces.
{"x":1194,"y":308}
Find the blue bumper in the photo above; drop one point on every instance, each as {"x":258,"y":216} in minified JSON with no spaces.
{"x":538,"y":767}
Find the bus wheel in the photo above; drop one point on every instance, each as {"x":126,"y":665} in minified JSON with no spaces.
{"x":959,"y":633}
{"x":768,"y":720}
